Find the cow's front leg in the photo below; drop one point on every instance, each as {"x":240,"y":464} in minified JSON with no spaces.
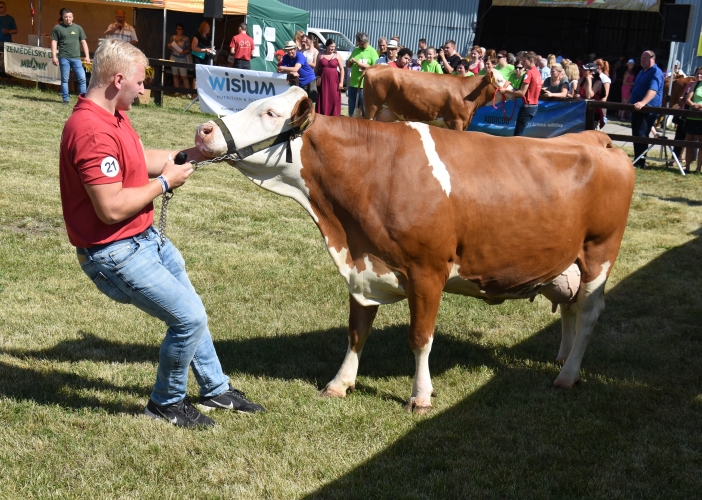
{"x":590,"y":304}
{"x":424,"y":296}
{"x":360,"y":322}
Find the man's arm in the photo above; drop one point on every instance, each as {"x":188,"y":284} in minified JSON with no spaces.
{"x":113,"y":203}
{"x":647,"y":98}
{"x":54,"y":59}
{"x":287,"y":69}
{"x":516,"y":93}
{"x":84,"y":44}
{"x":448,"y":69}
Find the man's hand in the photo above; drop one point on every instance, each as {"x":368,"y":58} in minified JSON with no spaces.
{"x":176,"y":174}
{"x":86,"y":59}
{"x":638,"y":105}
{"x":54,"y":61}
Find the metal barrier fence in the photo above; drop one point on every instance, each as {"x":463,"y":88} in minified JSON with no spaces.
{"x":157,"y":87}
{"x":590,"y":122}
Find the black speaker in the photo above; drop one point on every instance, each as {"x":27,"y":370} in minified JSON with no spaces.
{"x":677,"y":25}
{"x":214,"y":8}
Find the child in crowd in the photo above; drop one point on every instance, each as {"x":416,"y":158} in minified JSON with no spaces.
{"x":417,"y":63}
{"x":431,"y":65}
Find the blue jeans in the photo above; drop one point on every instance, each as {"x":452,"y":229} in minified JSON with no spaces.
{"x":351,"y":94}
{"x":66,"y":66}
{"x":641,"y":124}
{"x":143,"y":272}
{"x":525,"y":115}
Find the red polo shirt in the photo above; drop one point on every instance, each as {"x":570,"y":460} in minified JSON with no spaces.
{"x":99,"y":148}
{"x":244,"y":46}
{"x":533,"y":78}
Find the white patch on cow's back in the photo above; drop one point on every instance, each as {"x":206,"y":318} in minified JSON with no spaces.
{"x":367,"y":286}
{"x":438,"y":169}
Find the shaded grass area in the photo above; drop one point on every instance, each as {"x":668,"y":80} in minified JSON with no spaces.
{"x":77,"y":369}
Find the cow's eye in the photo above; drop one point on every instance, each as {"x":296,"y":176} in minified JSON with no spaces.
{"x":272,"y":114}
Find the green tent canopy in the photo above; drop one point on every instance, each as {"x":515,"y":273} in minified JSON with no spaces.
{"x":284,"y":19}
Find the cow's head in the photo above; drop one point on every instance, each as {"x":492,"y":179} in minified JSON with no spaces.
{"x":258,"y":126}
{"x":264,"y":139}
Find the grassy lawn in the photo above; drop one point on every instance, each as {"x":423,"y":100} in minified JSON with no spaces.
{"x":76,"y":369}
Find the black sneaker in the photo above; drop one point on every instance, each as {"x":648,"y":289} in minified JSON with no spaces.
{"x":232,"y":399}
{"x":182,"y":414}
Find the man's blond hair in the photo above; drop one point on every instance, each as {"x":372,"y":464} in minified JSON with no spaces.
{"x":115,"y":56}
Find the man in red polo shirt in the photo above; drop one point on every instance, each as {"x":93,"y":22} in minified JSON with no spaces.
{"x":241,"y":48}
{"x":107,"y":205}
{"x":529,"y":92}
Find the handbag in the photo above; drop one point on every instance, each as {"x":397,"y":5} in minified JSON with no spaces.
{"x":199,"y":55}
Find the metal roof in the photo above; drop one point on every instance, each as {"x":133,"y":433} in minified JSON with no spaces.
{"x":410,"y":19}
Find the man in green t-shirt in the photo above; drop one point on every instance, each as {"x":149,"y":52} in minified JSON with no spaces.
{"x":66,"y":42}
{"x":362,"y":58}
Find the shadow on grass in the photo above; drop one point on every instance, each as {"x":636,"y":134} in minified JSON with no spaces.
{"x":631,"y":429}
{"x":676,"y":199}
{"x":57,"y":100}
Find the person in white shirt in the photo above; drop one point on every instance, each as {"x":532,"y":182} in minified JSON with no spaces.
{"x":121,"y":29}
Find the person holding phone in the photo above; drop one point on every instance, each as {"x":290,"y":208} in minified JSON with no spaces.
{"x":122,"y":29}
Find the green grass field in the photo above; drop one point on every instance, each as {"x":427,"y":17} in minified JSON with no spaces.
{"x":76,"y":369}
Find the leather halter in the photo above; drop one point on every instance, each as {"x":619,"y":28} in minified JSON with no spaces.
{"x":287,"y":136}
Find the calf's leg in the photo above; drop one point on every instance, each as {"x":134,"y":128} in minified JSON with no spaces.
{"x":360,"y":322}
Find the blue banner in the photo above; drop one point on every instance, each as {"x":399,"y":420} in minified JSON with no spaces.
{"x":552,"y":119}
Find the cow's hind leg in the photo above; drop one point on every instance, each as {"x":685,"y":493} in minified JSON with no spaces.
{"x":360,"y":322}
{"x":568,"y":318}
{"x":590,"y":303}
{"x":424,"y":296}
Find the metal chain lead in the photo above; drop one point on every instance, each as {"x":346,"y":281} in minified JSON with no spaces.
{"x":165,"y":197}
{"x":169,"y":194}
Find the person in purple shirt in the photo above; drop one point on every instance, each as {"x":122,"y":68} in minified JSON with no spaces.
{"x":296,"y":66}
{"x":647,"y":91}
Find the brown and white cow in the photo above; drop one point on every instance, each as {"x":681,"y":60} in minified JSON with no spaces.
{"x":415,"y":216}
{"x":449,"y":101}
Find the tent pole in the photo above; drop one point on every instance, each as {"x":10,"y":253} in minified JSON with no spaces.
{"x":163,"y":45}
{"x":213,"y":42}
{"x":39,"y":26}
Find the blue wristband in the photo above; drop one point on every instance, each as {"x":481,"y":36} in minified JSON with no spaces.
{"x":164,"y":183}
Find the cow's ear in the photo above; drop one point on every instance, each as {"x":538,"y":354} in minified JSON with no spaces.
{"x":303,"y":114}
{"x":491,"y":76}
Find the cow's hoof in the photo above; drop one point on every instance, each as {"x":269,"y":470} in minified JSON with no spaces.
{"x":418,"y":406}
{"x":330,"y":392}
{"x":433,"y":393}
{"x":560,"y":361}
{"x":564,"y":383}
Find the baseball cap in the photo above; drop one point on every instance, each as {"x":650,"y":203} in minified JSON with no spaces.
{"x":590,"y":67}
{"x":280,"y":52}
{"x":631,"y":61}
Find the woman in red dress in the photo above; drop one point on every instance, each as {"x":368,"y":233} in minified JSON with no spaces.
{"x":329,"y":85}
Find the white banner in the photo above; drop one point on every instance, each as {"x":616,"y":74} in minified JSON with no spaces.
{"x":224,"y":91}
{"x":31,"y":63}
